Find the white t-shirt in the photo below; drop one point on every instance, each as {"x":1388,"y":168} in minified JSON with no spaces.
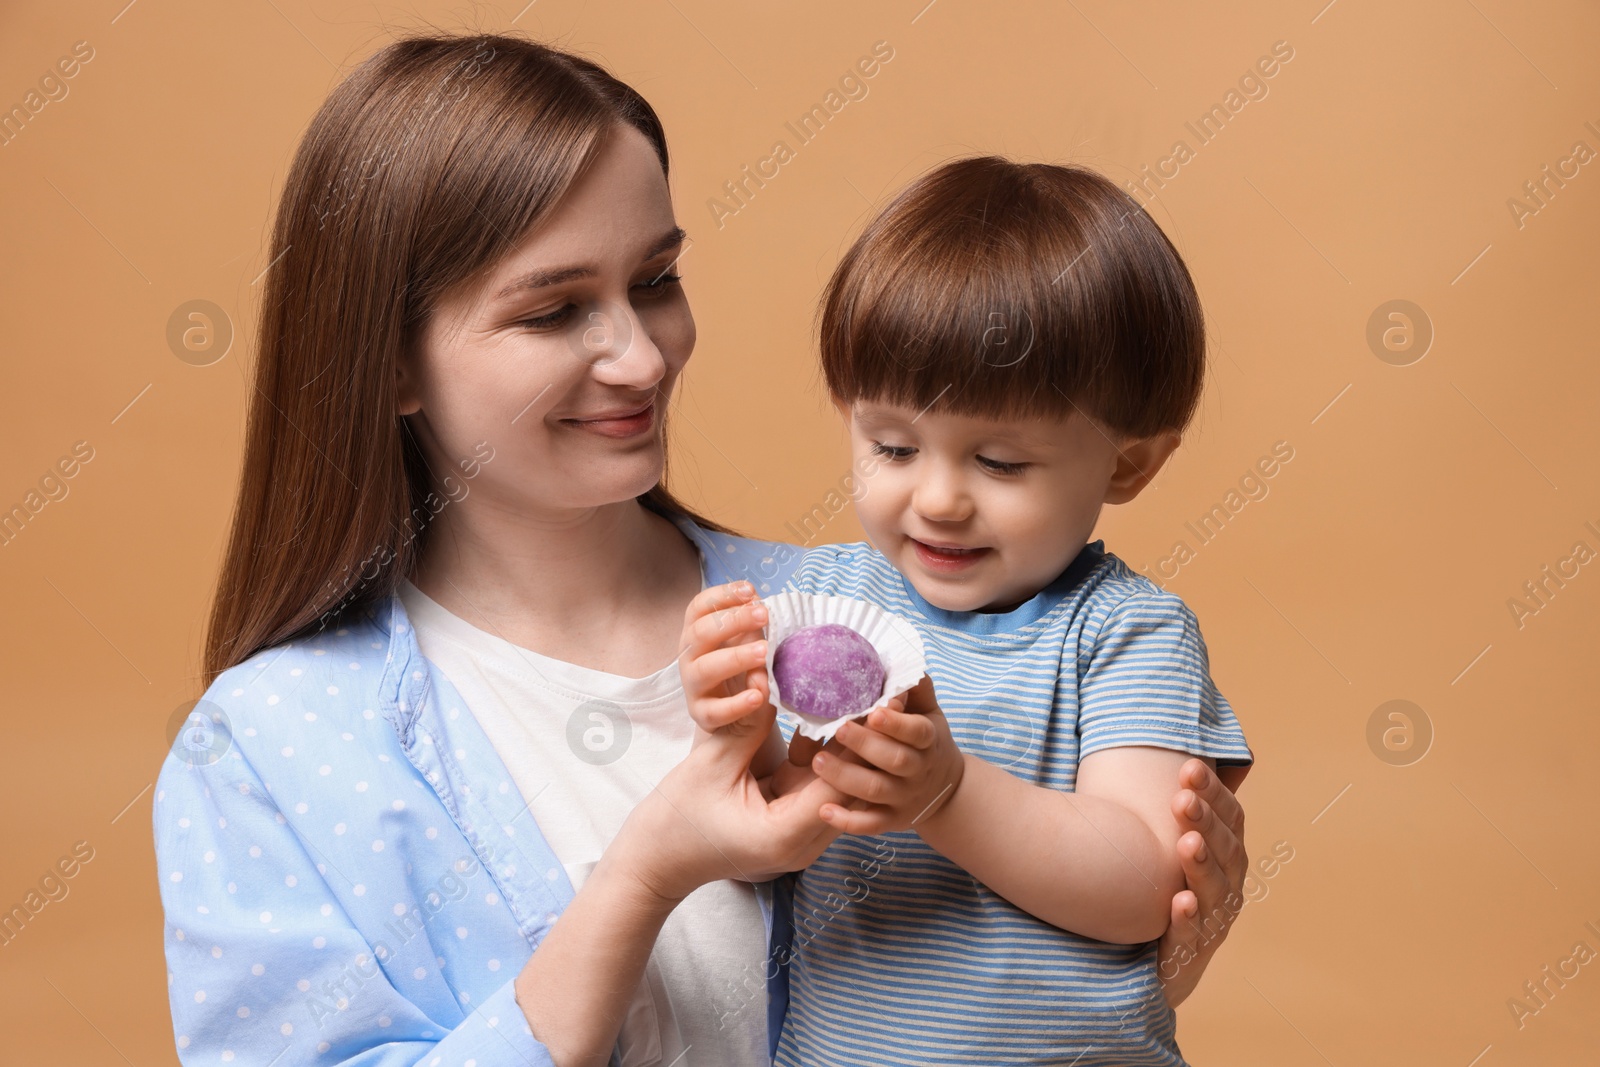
{"x":584,"y":747}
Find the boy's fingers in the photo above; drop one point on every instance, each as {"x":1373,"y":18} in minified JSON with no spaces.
{"x":884,"y":753}
{"x":917,"y":731}
{"x":848,"y":776}
{"x":919,"y":699}
{"x":802,"y":749}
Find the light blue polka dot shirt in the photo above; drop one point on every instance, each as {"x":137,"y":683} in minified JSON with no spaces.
{"x":348,"y":873}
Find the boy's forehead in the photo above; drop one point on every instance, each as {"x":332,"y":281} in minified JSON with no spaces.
{"x":1042,"y":429}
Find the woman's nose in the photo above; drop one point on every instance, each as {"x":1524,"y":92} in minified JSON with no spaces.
{"x":613,"y":341}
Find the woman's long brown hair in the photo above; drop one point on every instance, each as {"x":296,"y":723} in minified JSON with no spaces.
{"x":421,"y":171}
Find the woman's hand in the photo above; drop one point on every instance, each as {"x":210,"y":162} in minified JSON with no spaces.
{"x":1214,"y":866}
{"x":723,"y":664}
{"x":723,"y":658}
{"x":709,"y":819}
{"x":706,"y":820}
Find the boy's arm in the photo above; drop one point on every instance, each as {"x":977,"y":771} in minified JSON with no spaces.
{"x":1101,"y":861}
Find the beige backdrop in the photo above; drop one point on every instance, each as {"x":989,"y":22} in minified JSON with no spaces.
{"x":1382,"y":161}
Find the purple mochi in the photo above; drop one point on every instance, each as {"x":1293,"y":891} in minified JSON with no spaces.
{"x":828,"y":671}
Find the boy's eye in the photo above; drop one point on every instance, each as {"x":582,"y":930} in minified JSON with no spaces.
{"x":891,"y":451}
{"x":997,"y":467}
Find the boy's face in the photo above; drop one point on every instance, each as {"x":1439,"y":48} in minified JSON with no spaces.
{"x":980,"y":514}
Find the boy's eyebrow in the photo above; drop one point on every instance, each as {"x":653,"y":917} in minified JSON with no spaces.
{"x":1008,"y":431}
{"x":547,"y":276}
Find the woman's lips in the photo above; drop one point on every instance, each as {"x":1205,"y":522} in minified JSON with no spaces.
{"x":618,"y":424}
{"x":947,"y":559}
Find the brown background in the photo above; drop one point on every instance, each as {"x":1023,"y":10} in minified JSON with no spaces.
{"x":1379,"y":166}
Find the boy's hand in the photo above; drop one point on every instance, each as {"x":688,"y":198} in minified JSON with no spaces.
{"x":901,"y":761}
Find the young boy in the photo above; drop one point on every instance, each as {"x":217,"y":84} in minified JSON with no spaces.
{"x":1012,"y":346}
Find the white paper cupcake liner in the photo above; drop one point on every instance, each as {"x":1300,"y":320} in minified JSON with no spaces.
{"x":897,"y":641}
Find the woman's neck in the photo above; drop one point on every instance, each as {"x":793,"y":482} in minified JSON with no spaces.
{"x":604,"y":588}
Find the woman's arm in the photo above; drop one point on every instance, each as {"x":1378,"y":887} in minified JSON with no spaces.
{"x":706,"y":820}
{"x":1214,"y":865}
{"x":253,"y":922}
{"x":576,"y":989}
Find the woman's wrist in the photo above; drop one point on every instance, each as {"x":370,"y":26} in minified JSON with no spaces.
{"x":641,"y":863}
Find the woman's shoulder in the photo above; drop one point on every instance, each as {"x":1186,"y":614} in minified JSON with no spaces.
{"x":300,"y":693}
{"x":767,"y":565}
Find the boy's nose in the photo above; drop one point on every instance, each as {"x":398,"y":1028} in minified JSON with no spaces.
{"x":941,"y":497}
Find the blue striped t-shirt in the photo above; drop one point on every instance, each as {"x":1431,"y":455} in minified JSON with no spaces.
{"x":899,"y":956}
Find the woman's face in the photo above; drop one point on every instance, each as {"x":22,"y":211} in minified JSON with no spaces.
{"x":563,"y":361}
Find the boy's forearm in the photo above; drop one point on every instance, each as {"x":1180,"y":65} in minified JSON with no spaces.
{"x":1082,"y":863}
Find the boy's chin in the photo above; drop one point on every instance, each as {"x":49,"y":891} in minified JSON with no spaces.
{"x":947,"y":595}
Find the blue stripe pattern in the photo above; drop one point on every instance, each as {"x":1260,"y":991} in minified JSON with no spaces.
{"x":901,"y":957}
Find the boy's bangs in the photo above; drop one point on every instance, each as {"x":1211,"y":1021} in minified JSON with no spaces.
{"x":1004,"y":290}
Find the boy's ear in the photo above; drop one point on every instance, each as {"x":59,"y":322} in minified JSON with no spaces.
{"x":1138,"y":460}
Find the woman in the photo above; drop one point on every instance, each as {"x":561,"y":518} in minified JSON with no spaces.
{"x":443,"y":708}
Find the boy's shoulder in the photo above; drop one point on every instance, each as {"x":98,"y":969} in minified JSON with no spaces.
{"x":1115,"y":584}
{"x":854,"y":568}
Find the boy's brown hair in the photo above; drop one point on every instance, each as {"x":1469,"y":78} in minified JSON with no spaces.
{"x":994,"y":288}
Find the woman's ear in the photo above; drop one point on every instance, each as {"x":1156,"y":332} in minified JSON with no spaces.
{"x":408,"y":400}
{"x":1138,"y":460}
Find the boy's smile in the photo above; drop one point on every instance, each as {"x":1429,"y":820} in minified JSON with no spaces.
{"x":981,"y":513}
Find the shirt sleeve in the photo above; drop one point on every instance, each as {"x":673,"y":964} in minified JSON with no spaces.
{"x":265,"y":967}
{"x":1148,"y":682}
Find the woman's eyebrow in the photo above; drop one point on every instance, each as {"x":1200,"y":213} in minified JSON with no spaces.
{"x":545,"y":276}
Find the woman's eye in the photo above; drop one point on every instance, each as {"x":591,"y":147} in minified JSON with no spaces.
{"x":891,"y":451}
{"x":997,"y":467}
{"x":659,"y":284}
{"x":554,"y":318}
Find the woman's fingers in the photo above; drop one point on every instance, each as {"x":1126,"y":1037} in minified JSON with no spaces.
{"x":1182,"y":929}
{"x":713,"y":713}
{"x":706,"y":673}
{"x":715,"y":598}
{"x":1223,"y":848}
{"x":722,"y":625}
{"x":870,"y":820}
{"x":732,"y":748}
{"x":1212,"y":883}
{"x":1195,"y":775}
